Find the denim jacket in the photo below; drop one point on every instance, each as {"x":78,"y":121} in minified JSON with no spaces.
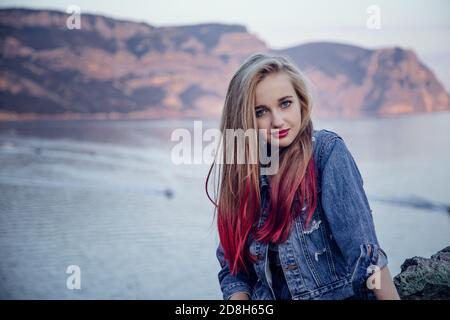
{"x":335,"y":254}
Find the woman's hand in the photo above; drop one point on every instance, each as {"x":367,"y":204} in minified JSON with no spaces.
{"x":387,"y":289}
{"x":240,"y":296}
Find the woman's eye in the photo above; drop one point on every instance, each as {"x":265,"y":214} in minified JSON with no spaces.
{"x":260,"y":112}
{"x":284,"y":103}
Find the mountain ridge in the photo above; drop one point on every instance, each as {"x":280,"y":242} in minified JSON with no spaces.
{"x":118,"y":69}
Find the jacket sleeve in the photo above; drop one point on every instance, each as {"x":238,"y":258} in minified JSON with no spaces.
{"x":349,"y":215}
{"x":230,"y":284}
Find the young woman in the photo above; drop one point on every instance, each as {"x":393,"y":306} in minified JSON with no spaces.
{"x":305,"y":231}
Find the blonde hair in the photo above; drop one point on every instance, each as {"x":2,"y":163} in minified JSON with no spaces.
{"x":239,"y":193}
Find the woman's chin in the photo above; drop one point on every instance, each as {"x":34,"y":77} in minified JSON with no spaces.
{"x":281,"y":143}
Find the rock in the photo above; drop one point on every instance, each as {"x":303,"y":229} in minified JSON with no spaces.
{"x":168,"y":193}
{"x":424,"y":279}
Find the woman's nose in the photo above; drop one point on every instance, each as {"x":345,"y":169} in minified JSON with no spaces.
{"x":277,"y":120}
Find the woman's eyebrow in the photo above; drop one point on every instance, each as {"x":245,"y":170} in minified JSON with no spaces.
{"x":279,"y":100}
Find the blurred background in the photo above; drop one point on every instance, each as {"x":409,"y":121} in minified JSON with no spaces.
{"x":90,"y":93}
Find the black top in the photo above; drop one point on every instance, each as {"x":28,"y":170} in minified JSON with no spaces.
{"x":279,"y":284}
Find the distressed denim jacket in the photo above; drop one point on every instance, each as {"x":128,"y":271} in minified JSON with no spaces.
{"x":335,"y":254}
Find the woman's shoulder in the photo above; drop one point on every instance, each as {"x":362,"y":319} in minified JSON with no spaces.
{"x":329,"y":147}
{"x":332,"y":152}
{"x":322,"y":140}
{"x":324,"y":134}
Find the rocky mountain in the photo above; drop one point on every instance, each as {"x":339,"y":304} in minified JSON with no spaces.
{"x":350,"y":81}
{"x":114,"y":69}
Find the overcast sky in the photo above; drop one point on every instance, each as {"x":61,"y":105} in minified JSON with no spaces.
{"x":421,"y":25}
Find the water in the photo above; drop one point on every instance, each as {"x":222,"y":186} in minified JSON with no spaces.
{"x":95,"y":194}
{"x":404,"y":159}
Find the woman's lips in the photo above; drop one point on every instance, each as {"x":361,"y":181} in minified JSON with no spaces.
{"x":282,"y":133}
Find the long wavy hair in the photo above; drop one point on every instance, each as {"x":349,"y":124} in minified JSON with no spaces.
{"x":238,"y":204}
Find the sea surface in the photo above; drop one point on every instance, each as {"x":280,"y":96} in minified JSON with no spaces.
{"x":106,"y":197}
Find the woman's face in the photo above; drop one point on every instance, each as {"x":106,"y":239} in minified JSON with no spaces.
{"x":277,"y":109}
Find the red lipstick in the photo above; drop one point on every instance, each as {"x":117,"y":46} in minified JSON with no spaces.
{"x":283,"y":133}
